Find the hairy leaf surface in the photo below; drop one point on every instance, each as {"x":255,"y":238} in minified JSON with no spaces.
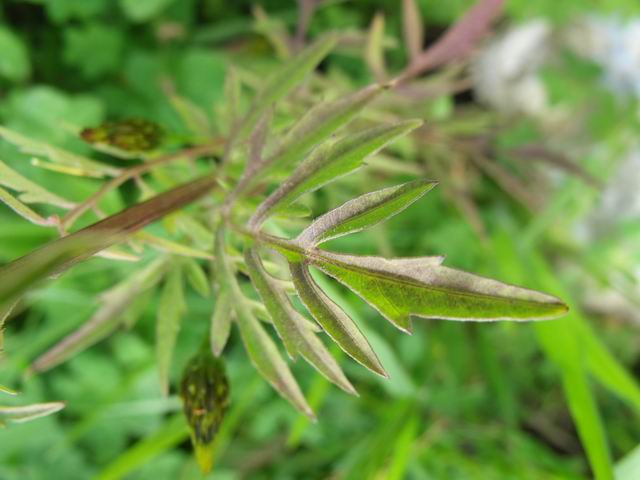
{"x":333,"y":319}
{"x":292,"y":326}
{"x":287,"y":78}
{"x":115,"y":303}
{"x":30,"y":192}
{"x":171,"y":308}
{"x":364,"y":212}
{"x":26,"y":413}
{"x":319,"y":124}
{"x":77,"y":164}
{"x":261,"y":349}
{"x":221,"y":322}
{"x":326,"y":164}
{"x":401,"y":288}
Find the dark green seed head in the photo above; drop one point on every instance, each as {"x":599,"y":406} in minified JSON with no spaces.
{"x":204,"y":390}
{"x":131,"y":135}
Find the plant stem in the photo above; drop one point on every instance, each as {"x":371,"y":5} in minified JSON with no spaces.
{"x":132,"y":172}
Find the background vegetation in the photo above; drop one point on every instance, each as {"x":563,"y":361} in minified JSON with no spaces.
{"x":545,"y":400}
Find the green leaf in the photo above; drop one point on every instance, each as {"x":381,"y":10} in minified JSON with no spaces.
{"x":60,"y":254}
{"x":95,"y":49}
{"x":291,"y":325}
{"x":170,"y":311}
{"x":334,"y":320}
{"x":374,"y":52}
{"x":5,"y":311}
{"x":115,"y":303}
{"x":26,"y":413}
{"x":7,"y":390}
{"x":261,"y":349}
{"x":168,"y":436}
{"x":169,"y":246}
{"x":75,"y":164}
{"x":268,"y":361}
{"x":197,"y":278}
{"x":327,"y":163}
{"x":63,"y":10}
{"x":19,"y":275}
{"x":230,"y":110}
{"x":25,"y":212}
{"x":319,"y":124}
{"x":221,"y":322}
{"x":420,"y":287}
{"x":412,"y":29}
{"x":364,"y":211}
{"x":143,"y":10}
{"x":29,"y":191}
{"x":286,"y":79}
{"x":14,"y":61}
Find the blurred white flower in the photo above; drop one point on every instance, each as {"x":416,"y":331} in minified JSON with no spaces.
{"x":614,"y":44}
{"x":619,"y":201}
{"x":505,"y":72}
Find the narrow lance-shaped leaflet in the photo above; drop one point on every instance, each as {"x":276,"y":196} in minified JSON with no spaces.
{"x":326,"y":164}
{"x":260,"y":347}
{"x":291,"y":326}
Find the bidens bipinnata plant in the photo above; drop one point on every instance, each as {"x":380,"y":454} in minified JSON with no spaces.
{"x":228,"y":230}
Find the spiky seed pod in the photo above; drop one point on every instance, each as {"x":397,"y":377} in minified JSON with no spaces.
{"x":204,"y":390}
{"x":131,"y":135}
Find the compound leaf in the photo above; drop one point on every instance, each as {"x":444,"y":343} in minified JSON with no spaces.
{"x":197,"y":278}
{"x":60,"y":254}
{"x":75,"y":164}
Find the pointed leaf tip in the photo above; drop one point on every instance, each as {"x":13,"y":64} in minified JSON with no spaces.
{"x":330,"y":161}
{"x":364,"y":212}
{"x":400,"y":289}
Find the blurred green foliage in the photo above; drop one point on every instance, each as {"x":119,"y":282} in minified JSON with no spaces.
{"x":464,"y":401}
